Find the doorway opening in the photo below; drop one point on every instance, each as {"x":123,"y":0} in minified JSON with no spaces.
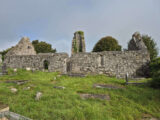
{"x":46,"y":64}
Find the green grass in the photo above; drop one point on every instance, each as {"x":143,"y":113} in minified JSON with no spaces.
{"x":56,"y":104}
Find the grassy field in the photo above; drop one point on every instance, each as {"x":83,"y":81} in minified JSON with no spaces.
{"x":130,"y":103}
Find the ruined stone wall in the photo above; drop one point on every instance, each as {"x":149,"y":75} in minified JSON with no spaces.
{"x":24,"y":47}
{"x":57,"y":61}
{"x":112,"y":63}
{"x":78,"y":43}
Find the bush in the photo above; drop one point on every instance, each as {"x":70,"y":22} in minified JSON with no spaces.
{"x":107,"y":44}
{"x":155,"y":72}
{"x":151,"y":46}
{"x":43,"y":47}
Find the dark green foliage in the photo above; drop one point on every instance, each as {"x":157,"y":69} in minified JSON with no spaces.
{"x":155,"y":72}
{"x":4,"y":52}
{"x":43,"y":47}
{"x":107,"y":44}
{"x":151,"y":46}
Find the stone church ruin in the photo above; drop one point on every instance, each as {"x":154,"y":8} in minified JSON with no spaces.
{"x":112,"y":63}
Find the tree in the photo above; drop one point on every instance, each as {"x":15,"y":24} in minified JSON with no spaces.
{"x":43,"y":47}
{"x":155,"y":72}
{"x":4,"y":52}
{"x":107,"y":44}
{"x":151,"y":46}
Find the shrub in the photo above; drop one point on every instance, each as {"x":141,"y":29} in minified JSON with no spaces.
{"x":155,"y":72}
{"x":151,"y":46}
{"x":107,"y":44}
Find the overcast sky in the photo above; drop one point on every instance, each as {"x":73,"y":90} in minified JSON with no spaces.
{"x":55,"y":21}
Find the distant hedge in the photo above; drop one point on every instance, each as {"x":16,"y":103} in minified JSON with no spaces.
{"x":155,"y":72}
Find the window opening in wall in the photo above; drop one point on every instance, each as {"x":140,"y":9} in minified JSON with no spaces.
{"x":102,"y":60}
{"x":29,"y":47}
{"x":46,"y":64}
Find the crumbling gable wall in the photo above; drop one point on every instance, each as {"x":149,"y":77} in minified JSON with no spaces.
{"x":24,"y":47}
{"x":136,"y":43}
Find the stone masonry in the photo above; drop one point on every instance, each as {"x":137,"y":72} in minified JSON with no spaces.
{"x":56,"y":61}
{"x":24,"y":47}
{"x":78,"y":42}
{"x":133,"y":62}
{"x":111,"y":63}
{"x":136,"y":43}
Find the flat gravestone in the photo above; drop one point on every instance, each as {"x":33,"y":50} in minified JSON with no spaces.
{"x":94,"y":96}
{"x":18,"y":82}
{"x":109,"y":86}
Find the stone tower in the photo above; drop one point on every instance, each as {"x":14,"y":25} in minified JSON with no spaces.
{"x":24,"y":47}
{"x":78,"y":42}
{"x":136,"y":43}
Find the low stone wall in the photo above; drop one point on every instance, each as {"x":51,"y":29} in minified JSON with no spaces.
{"x":56,"y":61}
{"x":112,"y":63}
